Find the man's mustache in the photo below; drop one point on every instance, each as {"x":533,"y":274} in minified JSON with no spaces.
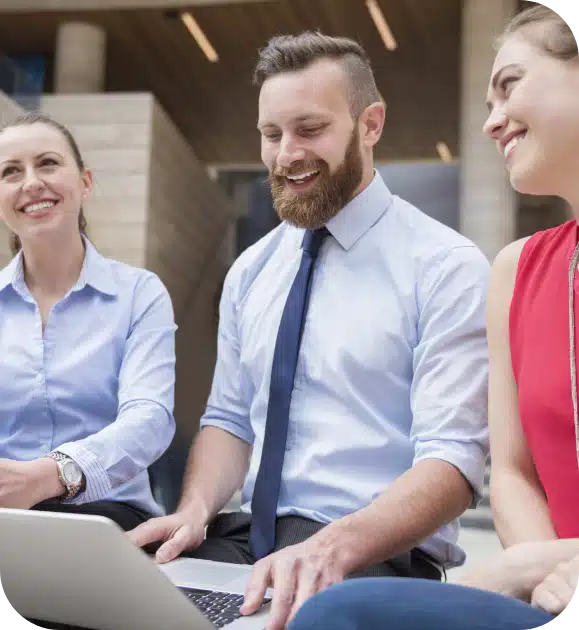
{"x":297,"y":168}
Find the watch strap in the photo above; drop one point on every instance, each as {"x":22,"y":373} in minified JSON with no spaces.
{"x":72,"y":489}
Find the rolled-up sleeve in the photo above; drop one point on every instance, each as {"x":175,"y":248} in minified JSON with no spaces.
{"x":228,"y":404}
{"x":449,"y":390}
{"x":145,"y":425}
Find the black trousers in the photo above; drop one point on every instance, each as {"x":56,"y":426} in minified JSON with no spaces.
{"x":227,"y":540}
{"x":125,"y":515}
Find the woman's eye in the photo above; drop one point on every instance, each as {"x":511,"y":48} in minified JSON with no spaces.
{"x":48,"y":162}
{"x":9,"y":170}
{"x":506,"y":83}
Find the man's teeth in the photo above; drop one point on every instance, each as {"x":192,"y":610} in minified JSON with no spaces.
{"x":37,"y":207}
{"x":512,"y":144}
{"x":302,"y":176}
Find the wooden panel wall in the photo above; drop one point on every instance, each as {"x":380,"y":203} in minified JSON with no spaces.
{"x":8,"y":111}
{"x":188,"y":224}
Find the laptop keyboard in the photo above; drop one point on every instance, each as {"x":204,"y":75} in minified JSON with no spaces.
{"x":220,"y":608}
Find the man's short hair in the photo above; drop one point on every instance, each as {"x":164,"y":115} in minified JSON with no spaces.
{"x":289,"y":53}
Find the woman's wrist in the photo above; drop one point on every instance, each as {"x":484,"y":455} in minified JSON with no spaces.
{"x":44,"y":480}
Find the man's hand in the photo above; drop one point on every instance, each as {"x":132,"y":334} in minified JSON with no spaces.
{"x":295,"y":573}
{"x":556,"y":590}
{"x":24,"y":484}
{"x":179,"y":532}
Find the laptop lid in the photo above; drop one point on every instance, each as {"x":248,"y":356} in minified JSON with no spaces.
{"x":83,"y":571}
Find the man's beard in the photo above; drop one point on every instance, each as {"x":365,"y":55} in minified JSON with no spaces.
{"x":312,"y":209}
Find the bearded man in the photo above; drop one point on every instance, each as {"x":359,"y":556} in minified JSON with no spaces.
{"x":349,"y":396}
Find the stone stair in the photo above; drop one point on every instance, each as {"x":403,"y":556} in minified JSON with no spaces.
{"x":481,"y":517}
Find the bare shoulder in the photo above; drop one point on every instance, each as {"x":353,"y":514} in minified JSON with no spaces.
{"x":509,"y":256}
{"x":504,"y":268}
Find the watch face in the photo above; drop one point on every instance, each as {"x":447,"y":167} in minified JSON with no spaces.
{"x":71,"y":472}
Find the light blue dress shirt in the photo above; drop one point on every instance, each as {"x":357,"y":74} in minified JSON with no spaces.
{"x":392,"y":368}
{"x":98,"y":385}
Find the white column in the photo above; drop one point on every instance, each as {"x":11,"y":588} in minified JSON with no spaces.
{"x":488,"y":205}
{"x":80,"y":58}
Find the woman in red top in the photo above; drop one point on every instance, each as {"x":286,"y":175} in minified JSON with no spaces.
{"x":534,"y":120}
{"x":533,"y":317}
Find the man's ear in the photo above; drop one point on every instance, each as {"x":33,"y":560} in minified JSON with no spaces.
{"x":372,"y":124}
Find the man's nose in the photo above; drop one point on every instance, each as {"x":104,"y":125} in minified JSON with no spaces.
{"x":289,"y":152}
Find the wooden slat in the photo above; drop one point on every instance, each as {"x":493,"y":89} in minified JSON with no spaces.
{"x":215,"y":105}
{"x":75,"y":5}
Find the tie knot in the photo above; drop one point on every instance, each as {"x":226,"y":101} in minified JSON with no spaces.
{"x":313,"y":240}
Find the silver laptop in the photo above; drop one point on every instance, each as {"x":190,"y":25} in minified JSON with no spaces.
{"x":83,"y":571}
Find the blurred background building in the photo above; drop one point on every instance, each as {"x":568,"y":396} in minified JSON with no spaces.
{"x":159,"y":96}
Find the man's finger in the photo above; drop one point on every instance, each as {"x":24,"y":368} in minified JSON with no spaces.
{"x":175,"y":546}
{"x":149,"y":532}
{"x":259,"y":580}
{"x":284,"y":590}
{"x":308,"y":584}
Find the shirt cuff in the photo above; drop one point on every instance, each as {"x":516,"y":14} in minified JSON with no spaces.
{"x":98,"y":485}
{"x":231,"y":427}
{"x":468,"y":458}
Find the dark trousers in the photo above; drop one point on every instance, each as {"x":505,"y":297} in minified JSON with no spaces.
{"x":125,"y":515}
{"x":393,"y":604}
{"x":227,"y":540}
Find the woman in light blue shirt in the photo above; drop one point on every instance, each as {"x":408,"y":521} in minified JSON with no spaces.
{"x":87,"y":345}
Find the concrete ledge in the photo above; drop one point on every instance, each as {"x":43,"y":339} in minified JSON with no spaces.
{"x":480,"y":547}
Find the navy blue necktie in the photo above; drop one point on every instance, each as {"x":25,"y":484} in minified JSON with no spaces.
{"x":285,"y":358}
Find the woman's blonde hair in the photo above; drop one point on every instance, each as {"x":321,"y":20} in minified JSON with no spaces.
{"x":555,"y":37}
{"x":31,"y":119}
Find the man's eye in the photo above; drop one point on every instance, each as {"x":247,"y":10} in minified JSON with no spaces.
{"x":310,"y":131}
{"x":272,"y":137}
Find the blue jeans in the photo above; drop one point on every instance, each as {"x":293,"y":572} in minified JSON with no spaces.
{"x":412,"y":604}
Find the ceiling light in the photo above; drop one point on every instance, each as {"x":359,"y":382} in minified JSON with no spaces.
{"x":381,"y":24}
{"x":199,"y":36}
{"x":444,"y":152}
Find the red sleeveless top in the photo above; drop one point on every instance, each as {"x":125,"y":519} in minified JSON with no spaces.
{"x":539,"y":339}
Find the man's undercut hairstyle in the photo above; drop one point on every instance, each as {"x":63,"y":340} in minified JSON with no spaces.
{"x":290,"y":53}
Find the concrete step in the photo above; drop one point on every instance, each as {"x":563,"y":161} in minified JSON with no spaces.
{"x":486,"y":498}
{"x":481,"y":518}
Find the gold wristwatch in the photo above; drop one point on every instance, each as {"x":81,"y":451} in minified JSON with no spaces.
{"x":69,"y":473}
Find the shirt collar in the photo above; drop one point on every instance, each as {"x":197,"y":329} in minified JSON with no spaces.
{"x":360,"y":214}
{"x":11,"y":274}
{"x":96,"y":272}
